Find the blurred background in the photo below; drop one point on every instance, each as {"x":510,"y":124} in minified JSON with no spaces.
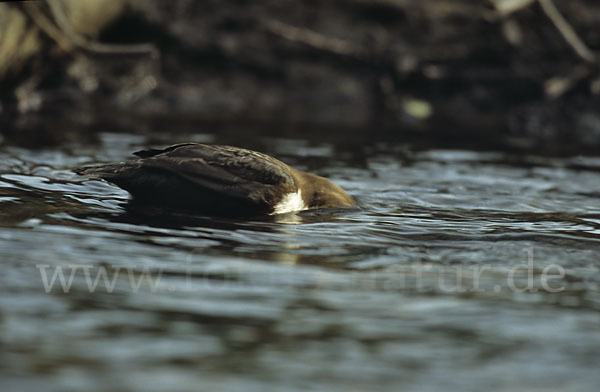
{"x":498,"y":74}
{"x":468,"y":131}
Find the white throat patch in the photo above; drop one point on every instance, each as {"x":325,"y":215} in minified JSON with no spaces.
{"x":290,"y":203}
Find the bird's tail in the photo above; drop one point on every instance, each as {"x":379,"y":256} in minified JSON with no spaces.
{"x":109,"y":171}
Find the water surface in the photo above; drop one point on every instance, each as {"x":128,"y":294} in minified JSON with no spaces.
{"x":458,"y":270}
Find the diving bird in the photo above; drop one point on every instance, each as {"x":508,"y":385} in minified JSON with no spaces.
{"x":219,"y":180}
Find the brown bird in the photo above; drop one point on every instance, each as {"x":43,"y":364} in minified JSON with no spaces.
{"x":219,"y":180}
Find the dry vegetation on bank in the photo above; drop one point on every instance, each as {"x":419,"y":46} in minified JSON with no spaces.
{"x":517,"y":74}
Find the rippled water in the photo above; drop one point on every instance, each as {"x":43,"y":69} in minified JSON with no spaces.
{"x":458,"y":270}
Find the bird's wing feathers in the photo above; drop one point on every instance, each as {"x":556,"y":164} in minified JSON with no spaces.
{"x":199,"y":173}
{"x":228,"y":170}
{"x":221,"y":164}
{"x":153,"y":151}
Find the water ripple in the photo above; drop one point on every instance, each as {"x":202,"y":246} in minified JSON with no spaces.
{"x":438,"y":271}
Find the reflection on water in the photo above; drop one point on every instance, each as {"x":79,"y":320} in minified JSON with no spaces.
{"x":458,"y":270}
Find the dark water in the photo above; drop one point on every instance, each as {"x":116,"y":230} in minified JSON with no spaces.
{"x":458,"y":271}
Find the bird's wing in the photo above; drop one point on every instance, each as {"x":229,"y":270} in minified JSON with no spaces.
{"x":229,"y":170}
